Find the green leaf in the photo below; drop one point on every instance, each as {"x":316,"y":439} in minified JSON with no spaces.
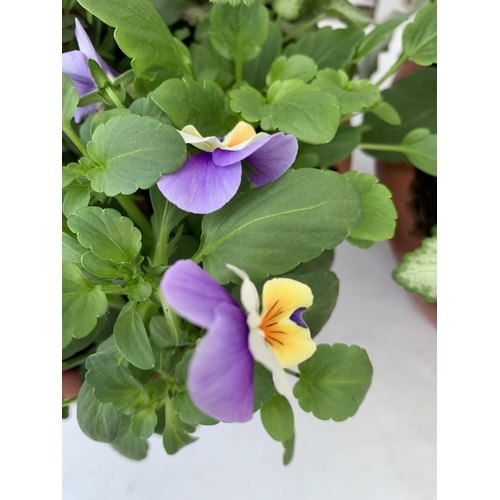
{"x":107,"y":233}
{"x":233,"y":2}
{"x":138,"y":289}
{"x":364,"y":244}
{"x":182,"y":368}
{"x":288,"y":9}
{"x":142,"y":35}
{"x":238,"y":32}
{"x":82,"y":304}
{"x":263,"y":386}
{"x":133,"y":152}
{"x":70,"y":100}
{"x":255,"y":71}
{"x":415,"y":99}
{"x":100,"y":267}
{"x":68,"y":176}
{"x":323,"y":262}
{"x":295,"y":67}
{"x":144,"y":422}
{"x":417,"y":272}
{"x":379,"y":214}
{"x":113,"y":383}
{"x":353,"y":96}
{"x":145,"y":106}
{"x":421,"y":149}
{"x":327,"y":47}
{"x":293,"y":107}
{"x":162,"y":336}
{"x":78,"y":196}
{"x":420,"y":37}
{"x":334,"y":381}
{"x":386,"y":113}
{"x":270,"y":230}
{"x":347,"y":11}
{"x":99,"y":421}
{"x":277,"y":417}
{"x":189,"y":413}
{"x":105,"y":116}
{"x":132,"y":339}
{"x":289,"y":445}
{"x":177,"y":434}
{"x":127,"y":443}
{"x":203,"y":105}
{"x":208,"y":64}
{"x":72,"y":251}
{"x":166,"y":359}
{"x":325,"y":156}
{"x":325,"y":288}
{"x":376,"y":37}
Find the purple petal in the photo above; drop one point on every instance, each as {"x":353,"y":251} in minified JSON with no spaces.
{"x":296,"y":317}
{"x":87,"y":48}
{"x":220,"y":376}
{"x":193,"y":293}
{"x":74,"y":66}
{"x":200,"y":186}
{"x":81,"y":113}
{"x":224,"y":157}
{"x":272,"y":159}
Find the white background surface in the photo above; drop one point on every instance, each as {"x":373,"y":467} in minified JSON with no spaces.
{"x":387,"y":451}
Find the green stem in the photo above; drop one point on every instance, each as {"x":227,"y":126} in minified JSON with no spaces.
{"x":402,"y":59}
{"x":116,"y":289}
{"x":72,"y":135}
{"x":305,"y":26}
{"x":291,"y":372}
{"x":170,"y":316}
{"x":238,"y":69}
{"x":67,"y":402}
{"x":113,"y":98}
{"x":384,"y":147}
{"x":136,"y":215}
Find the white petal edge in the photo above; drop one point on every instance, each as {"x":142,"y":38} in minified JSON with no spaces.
{"x":249,"y":297}
{"x":244,"y":144}
{"x":263,"y":354}
{"x":192,"y":136}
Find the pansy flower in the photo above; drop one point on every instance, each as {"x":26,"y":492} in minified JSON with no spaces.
{"x":220,"y":375}
{"x":208,"y":180}
{"x":75,"y":67}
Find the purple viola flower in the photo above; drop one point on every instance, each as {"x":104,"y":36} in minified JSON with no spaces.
{"x":74,"y":66}
{"x":220,"y":375}
{"x":208,"y":180}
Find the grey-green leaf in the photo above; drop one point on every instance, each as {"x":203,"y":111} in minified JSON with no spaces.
{"x":277,"y":417}
{"x":132,"y":339}
{"x":72,"y":250}
{"x":263,"y":386}
{"x":297,"y":66}
{"x":99,"y":421}
{"x":386,"y":113}
{"x":379,"y":214}
{"x":127,"y":443}
{"x":145,"y":106}
{"x":334,"y":381}
{"x":189,"y":413}
{"x":100,"y":267}
{"x":289,"y":446}
{"x":350,"y":12}
{"x":70,"y":100}
{"x":271,"y":229}
{"x":133,"y":152}
{"x":77,"y":196}
{"x":144,"y":422}
{"x":177,"y":433}
{"x":417,"y":272}
{"x":82,"y":304}
{"x":107,"y":233}
{"x":420,"y":37}
{"x":421,"y":149}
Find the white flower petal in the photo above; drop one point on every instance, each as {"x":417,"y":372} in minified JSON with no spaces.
{"x":244,"y":144}
{"x":249,"y":297}
{"x":192,"y":136}
{"x":263,"y":354}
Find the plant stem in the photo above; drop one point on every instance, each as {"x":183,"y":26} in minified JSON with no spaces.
{"x":384,"y":147}
{"x":402,"y":59}
{"x":136,"y":215}
{"x":305,"y":26}
{"x":170,"y":316}
{"x":196,"y":258}
{"x":291,"y":372}
{"x":72,"y":135}
{"x":113,"y":98}
{"x":116,"y":289}
{"x":67,"y":402}
{"x":238,"y":69}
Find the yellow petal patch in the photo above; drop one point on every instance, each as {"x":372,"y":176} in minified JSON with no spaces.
{"x":241,"y":133}
{"x":290,"y":342}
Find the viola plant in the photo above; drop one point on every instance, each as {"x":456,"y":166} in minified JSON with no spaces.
{"x":202,"y":205}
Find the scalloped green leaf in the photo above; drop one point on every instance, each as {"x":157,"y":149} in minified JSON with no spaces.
{"x":98,"y":421}
{"x":144,"y":422}
{"x":417,"y":272}
{"x":72,"y":250}
{"x":177,"y":433}
{"x":271,"y":229}
{"x":420,"y":37}
{"x":352,"y":95}
{"x":327,"y":47}
{"x":107,"y":233}
{"x":114,"y":383}
{"x":145,"y":106}
{"x":132,"y":152}
{"x":277,"y":417}
{"x":143,"y":36}
{"x":82,"y":304}
{"x":127,"y":443}
{"x":238,"y":32}
{"x":189,"y":413}
{"x":420,"y":146}
{"x":288,"y":9}
{"x":298,"y":67}
{"x":334,"y":381}
{"x":100,"y":267}
{"x":201,"y":104}
{"x":70,"y":100}
{"x":77,"y":196}
{"x":209,"y":65}
{"x":378,"y":222}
